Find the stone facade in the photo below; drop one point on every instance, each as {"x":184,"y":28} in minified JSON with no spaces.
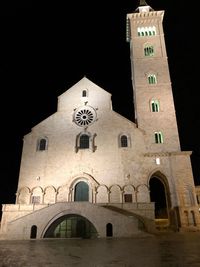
{"x":87,"y":167}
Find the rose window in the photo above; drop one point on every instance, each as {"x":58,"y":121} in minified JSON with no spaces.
{"x":84,"y":116}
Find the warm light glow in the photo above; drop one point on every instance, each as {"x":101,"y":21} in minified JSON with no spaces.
{"x":158,"y":161}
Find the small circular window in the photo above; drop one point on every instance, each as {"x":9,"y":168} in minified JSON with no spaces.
{"x":84,"y":116}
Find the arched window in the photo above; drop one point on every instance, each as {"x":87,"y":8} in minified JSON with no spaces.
{"x":124,"y":141}
{"x":152,"y":79}
{"x":84,"y":141}
{"x":158,"y":137}
{"x":148,"y":50}
{"x":84,"y":93}
{"x":81,"y":192}
{"x":155,"y":107}
{"x":146,"y":31}
{"x":42,"y":144}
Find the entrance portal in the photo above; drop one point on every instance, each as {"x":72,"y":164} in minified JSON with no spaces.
{"x":81,"y":192}
{"x":158,"y":195}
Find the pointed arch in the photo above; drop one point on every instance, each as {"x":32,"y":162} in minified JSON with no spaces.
{"x":158,"y":183}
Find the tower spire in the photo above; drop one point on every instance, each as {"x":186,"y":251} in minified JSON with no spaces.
{"x":143,"y":7}
{"x":143,"y":3}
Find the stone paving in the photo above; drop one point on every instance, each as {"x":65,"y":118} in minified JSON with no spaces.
{"x":165,"y":250}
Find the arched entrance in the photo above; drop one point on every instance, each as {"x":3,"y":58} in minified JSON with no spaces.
{"x":71,"y":226}
{"x":33,"y":231}
{"x":109,"y":229}
{"x":157,"y":195}
{"x":81,"y":192}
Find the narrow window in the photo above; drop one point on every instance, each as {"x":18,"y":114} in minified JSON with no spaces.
{"x":124,"y":141}
{"x":155,"y":106}
{"x":158,"y":137}
{"x":84,"y":141}
{"x":152,"y":79}
{"x":84,"y":93}
{"x":42,"y":144}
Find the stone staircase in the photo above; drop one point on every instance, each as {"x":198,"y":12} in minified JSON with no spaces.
{"x":145,"y":224}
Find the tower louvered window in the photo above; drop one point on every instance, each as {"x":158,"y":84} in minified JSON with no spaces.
{"x":158,"y":137}
{"x":152,"y":79}
{"x":146,"y":31}
{"x":155,"y":107}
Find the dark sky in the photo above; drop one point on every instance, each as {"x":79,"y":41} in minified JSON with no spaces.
{"x":47,"y":48}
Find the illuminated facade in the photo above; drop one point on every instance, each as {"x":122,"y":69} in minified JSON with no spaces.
{"x":86,"y":171}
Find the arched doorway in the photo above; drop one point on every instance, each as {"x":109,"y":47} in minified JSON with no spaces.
{"x":81,"y":192}
{"x":158,"y":195}
{"x":109,"y":229}
{"x":33,"y":231}
{"x":71,"y":226}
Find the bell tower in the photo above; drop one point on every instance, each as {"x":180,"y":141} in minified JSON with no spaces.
{"x":152,"y":91}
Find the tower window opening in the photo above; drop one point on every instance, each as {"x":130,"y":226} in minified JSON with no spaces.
{"x":152,"y":79}
{"x":42,"y":144}
{"x":146,"y":31}
{"x":158,"y":137}
{"x":155,"y":107}
{"x":149,"y":50}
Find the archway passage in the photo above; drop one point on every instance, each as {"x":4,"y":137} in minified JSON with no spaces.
{"x":71,"y":226}
{"x":81,"y":192}
{"x":158,"y":195}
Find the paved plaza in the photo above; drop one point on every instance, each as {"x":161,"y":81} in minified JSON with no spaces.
{"x":166,"y":250}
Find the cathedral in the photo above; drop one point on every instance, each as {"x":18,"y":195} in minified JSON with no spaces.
{"x":86,"y":171}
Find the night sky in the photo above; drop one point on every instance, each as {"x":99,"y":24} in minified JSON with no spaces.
{"x":46,"y":49}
